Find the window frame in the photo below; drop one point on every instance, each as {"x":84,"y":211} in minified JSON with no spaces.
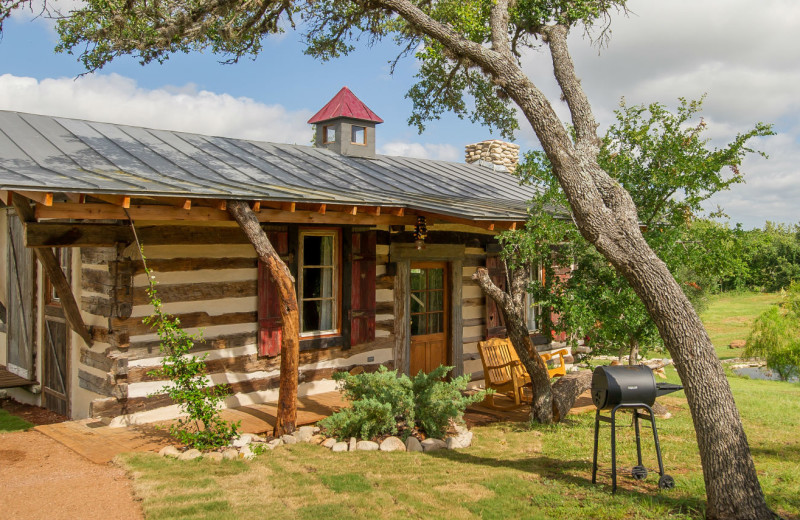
{"x":535,"y":274}
{"x":327,"y":130}
{"x":353,"y":130}
{"x":336,"y":278}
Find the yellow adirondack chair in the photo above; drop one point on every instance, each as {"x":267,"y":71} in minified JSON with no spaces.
{"x":504,"y":372}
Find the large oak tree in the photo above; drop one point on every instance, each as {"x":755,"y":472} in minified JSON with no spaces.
{"x":473,"y":48}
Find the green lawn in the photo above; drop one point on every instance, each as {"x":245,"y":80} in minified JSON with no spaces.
{"x":730,"y":316}
{"x":12,"y":423}
{"x":511,"y":471}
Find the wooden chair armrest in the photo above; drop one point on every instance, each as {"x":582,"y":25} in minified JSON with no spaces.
{"x":512,"y":363}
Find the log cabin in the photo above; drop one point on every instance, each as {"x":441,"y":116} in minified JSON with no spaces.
{"x":382,"y":250}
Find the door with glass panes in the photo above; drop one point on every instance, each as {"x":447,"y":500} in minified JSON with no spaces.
{"x":429,"y":313}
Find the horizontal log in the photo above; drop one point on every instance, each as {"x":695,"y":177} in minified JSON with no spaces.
{"x":170,"y":265}
{"x":147,"y":349}
{"x":96,"y":280}
{"x":93,"y":383}
{"x":198,"y":213}
{"x":384,"y":281}
{"x":384,"y":307}
{"x":191,"y":292}
{"x":96,"y":359}
{"x":474,"y":322}
{"x":473,"y":302}
{"x":254,"y":363}
{"x":109,"y":408}
{"x":385,"y":325}
{"x":97,"y":305}
{"x":135,"y":327}
{"x":95,"y":255}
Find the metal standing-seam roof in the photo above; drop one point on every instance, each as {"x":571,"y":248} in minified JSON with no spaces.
{"x":56,"y":154}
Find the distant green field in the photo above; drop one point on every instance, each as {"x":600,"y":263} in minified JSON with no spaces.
{"x":730,"y":316}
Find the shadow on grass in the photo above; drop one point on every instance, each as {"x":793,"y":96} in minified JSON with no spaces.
{"x":566,"y":471}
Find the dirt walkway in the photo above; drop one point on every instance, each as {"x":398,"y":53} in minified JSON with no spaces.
{"x":42,"y":479}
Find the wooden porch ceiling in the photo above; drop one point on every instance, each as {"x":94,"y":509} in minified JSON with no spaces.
{"x":80,"y":206}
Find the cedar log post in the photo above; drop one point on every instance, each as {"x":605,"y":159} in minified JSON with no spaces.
{"x":53,"y":270}
{"x":290,"y":338}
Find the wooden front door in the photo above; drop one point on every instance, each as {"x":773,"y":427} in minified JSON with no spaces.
{"x":55,"y":373}
{"x":429,"y":316}
{"x":20,"y":311}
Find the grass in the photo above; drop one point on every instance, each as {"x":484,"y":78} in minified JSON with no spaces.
{"x":511,"y":471}
{"x":730,"y":316}
{"x":12,"y":423}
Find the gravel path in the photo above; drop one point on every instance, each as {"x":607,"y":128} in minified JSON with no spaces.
{"x":42,"y":479}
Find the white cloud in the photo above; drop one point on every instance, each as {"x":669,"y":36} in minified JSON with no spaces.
{"x":117,"y":99}
{"x":441,"y":152}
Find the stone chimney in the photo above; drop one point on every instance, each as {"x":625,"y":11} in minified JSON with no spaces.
{"x":493,"y":151}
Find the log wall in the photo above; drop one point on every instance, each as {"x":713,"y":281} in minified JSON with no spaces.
{"x":213,"y":288}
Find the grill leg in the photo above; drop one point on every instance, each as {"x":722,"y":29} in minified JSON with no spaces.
{"x":614,"y":449}
{"x":596,"y":435}
{"x":638,"y":437}
{"x":655,"y":438}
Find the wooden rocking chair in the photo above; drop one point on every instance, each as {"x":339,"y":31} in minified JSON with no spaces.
{"x":504,"y":372}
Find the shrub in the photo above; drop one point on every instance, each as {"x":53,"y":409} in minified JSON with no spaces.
{"x":776,"y":335}
{"x":385,"y":404}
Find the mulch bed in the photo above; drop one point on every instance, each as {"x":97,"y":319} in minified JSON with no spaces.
{"x":33,"y":414}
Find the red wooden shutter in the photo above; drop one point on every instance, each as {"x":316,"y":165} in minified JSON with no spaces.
{"x":269,"y":314}
{"x":495,"y":324}
{"x":362,"y":303}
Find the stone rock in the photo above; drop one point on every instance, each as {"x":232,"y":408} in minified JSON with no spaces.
{"x":462,"y":440}
{"x":289,"y":439}
{"x":257,"y":438}
{"x":392,"y":444}
{"x":433,"y":445}
{"x":353,"y":442}
{"x":215,"y":456}
{"x":246,"y":453}
{"x":230,"y":454}
{"x":367,"y":446}
{"x":313,"y":430}
{"x":329,"y":442}
{"x":190,"y":455}
{"x":303,"y":434}
{"x":738,"y":343}
{"x":339,"y":446}
{"x":242,"y":440}
{"x":317,"y":439}
{"x":169,"y":451}
{"x":274,"y":443}
{"x":412,"y":444}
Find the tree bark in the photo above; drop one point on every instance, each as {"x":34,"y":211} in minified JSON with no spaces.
{"x":290,"y":338}
{"x":567,"y":389}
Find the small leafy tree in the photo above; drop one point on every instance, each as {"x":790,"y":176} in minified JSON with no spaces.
{"x":776,"y":335}
{"x":190,"y":387}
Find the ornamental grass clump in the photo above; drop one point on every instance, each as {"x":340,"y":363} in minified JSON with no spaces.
{"x":384,"y":404}
{"x":203,"y":428}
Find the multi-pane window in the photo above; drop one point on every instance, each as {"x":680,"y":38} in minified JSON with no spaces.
{"x":318,"y":282}
{"x":533,"y":309}
{"x":427,"y":301}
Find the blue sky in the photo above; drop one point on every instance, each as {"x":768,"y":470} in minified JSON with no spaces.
{"x":745,"y":55}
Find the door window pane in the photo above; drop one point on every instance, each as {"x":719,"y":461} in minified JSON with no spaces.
{"x":427,"y":301}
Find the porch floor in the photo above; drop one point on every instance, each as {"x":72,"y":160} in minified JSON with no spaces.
{"x":100,"y":443}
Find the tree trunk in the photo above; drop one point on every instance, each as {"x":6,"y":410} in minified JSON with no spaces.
{"x":567,"y":389}
{"x":290,"y":338}
{"x":634,"y":353}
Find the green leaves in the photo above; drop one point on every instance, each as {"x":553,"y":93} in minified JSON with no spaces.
{"x":189,"y":387}
{"x":776,"y":335}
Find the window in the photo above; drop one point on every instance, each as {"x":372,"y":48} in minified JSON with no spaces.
{"x":328,"y":134}
{"x":318,"y":282}
{"x":533,"y":310}
{"x":427,"y":301}
{"x":358,"y":135}
{"x":63,"y":257}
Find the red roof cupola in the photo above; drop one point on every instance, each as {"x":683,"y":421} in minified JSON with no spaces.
{"x":346,"y":126}
{"x":345,"y":104}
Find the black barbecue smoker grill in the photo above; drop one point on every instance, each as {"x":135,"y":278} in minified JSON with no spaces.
{"x":633,"y":387}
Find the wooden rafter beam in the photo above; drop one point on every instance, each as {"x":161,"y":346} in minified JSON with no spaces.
{"x":52,"y":268}
{"x":372,"y":210}
{"x":321,"y":208}
{"x":288,"y":206}
{"x":77,"y":198}
{"x":41,"y":197}
{"x":256,"y":207}
{"x":66,"y":210}
{"x":398,"y":212}
{"x":123,"y":201}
